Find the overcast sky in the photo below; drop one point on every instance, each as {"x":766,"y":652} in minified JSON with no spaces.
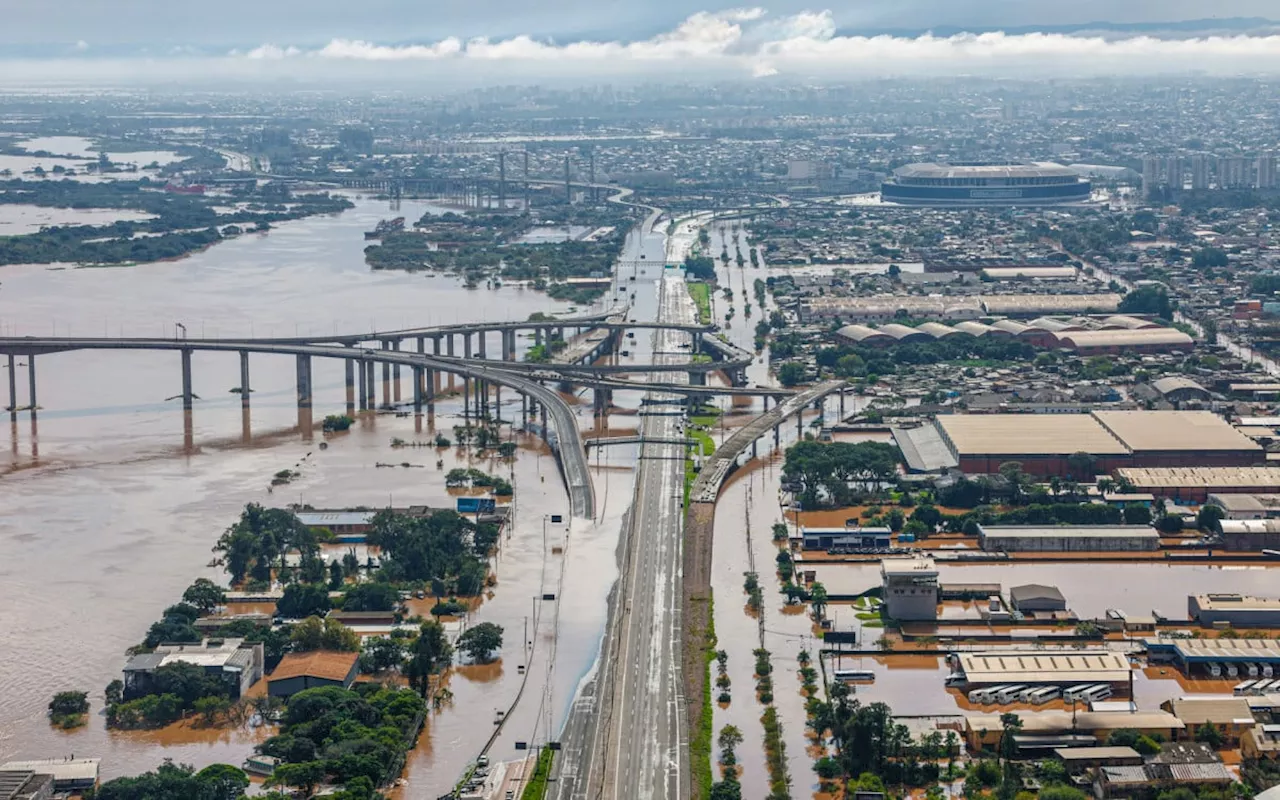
{"x":239,"y":22}
{"x":64,"y":40}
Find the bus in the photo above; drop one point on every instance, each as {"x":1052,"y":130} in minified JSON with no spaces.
{"x":854,"y":675}
{"x":1041,"y":695}
{"x":1096,"y":692}
{"x":1246,"y":687}
{"x":987,"y":694}
{"x":1073,"y":692}
{"x":1010,"y":693}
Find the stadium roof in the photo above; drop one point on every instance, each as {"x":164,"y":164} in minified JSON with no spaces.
{"x":861,"y":333}
{"x":1028,"y":434}
{"x":1174,"y":431}
{"x":1027,"y":169}
{"x":1044,"y":666}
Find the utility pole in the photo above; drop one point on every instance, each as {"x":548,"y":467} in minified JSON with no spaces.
{"x":568,"y":190}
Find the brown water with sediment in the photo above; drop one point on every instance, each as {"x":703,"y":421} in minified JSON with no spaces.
{"x":108,"y":517}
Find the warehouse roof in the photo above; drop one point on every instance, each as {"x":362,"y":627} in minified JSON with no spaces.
{"x":1049,"y":303}
{"x":1174,"y":430}
{"x":1248,"y":525}
{"x":1059,"y":531}
{"x":324,"y":519}
{"x":903,"y":333}
{"x":1207,"y":477}
{"x":1227,"y":649}
{"x":1043,"y":273}
{"x":1132,"y":323}
{"x":1057,"y":721}
{"x":1165,"y":337}
{"x":1035,"y":591}
{"x":1230,"y":602}
{"x":63,"y":770}
{"x":1173,"y":383}
{"x":1095,"y":753}
{"x":1028,"y":434}
{"x":1011,"y":326}
{"x":861,"y":333}
{"x":1214,"y":710}
{"x":937,"y":330}
{"x":974,"y":328}
{"x":1044,"y":666}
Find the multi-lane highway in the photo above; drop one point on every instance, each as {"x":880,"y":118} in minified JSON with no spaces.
{"x":625,"y":736}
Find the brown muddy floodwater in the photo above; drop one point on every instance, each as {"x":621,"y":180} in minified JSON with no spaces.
{"x":107,"y":517}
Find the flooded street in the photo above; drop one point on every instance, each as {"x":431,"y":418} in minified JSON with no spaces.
{"x":108,"y":519}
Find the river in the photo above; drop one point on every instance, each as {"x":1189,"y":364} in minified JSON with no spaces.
{"x":108,"y":516}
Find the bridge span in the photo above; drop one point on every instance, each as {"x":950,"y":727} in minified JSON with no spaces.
{"x":563,"y":436}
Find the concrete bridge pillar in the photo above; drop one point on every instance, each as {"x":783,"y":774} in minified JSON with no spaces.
{"x":698,"y":378}
{"x":435,"y":345}
{"x":186,"y":379}
{"x":417,"y":390}
{"x":386,"y":378}
{"x":777,"y":436}
{"x":766,"y":404}
{"x":842,"y":405}
{"x":448,"y":340}
{"x":482,"y":336}
{"x":422,"y":345}
{"x":350,"y":367}
{"x":430,"y":387}
{"x":466,"y":346}
{"x":244,"y":379}
{"x":304,"y":381}
{"x":697,"y":342}
{"x":395,"y":374}
{"x":538,"y":336}
{"x":497,"y":404}
{"x":542,"y":412}
{"x":799,"y":426}
{"x":370,"y":395}
{"x":466,"y":399}
{"x":362,"y":391}
{"x":13,"y":388}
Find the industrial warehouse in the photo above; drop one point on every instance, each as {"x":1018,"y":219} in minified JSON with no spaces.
{"x":983,"y":183}
{"x":1041,"y":667}
{"x":1045,"y":444}
{"x":1084,"y":335}
{"x":1067,"y":538}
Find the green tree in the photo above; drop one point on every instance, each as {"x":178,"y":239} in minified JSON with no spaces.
{"x":481,"y":641}
{"x":1062,"y":792}
{"x":210,"y":708}
{"x":205,"y":595}
{"x":336,"y":577}
{"x":371,"y":597}
{"x":1210,"y":518}
{"x":818,"y":599}
{"x":429,"y":655}
{"x":304,"y":776}
{"x":1209,"y":734}
{"x":384,"y":652}
{"x":1135,"y":514}
{"x":221,"y":782}
{"x":791,"y":373}
{"x":302,"y":600}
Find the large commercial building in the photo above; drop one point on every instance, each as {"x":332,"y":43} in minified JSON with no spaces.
{"x":1195,"y":484}
{"x":1236,"y":610}
{"x":1250,"y":534}
{"x":985,"y":184}
{"x":1048,"y":667}
{"x":1200,"y":656}
{"x":1067,"y":538}
{"x":1043,"y":443}
{"x":297,"y":672}
{"x":910,"y":587}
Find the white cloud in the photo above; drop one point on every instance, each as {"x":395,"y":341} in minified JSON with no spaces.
{"x":81,"y":46}
{"x":741,"y":42}
{"x":271,"y":52}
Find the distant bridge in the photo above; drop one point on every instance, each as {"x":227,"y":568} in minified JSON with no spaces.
{"x":607,"y":441}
